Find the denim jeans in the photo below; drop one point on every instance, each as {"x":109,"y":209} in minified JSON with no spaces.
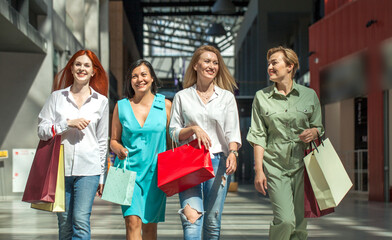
{"x":207,"y":198}
{"x":80,"y":191}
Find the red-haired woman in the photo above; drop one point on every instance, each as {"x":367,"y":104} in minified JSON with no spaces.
{"x":78,"y":110}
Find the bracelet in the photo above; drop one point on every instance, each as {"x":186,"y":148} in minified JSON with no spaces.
{"x":235,"y":152}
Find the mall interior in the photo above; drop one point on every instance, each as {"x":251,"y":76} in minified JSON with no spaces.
{"x":345,"y":54}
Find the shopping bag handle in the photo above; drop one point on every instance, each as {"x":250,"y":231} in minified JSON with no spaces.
{"x":315,"y":145}
{"x":174,"y":143}
{"x":125,"y":161}
{"x":53,"y":131}
{"x":123,"y":168}
{"x":321,"y":141}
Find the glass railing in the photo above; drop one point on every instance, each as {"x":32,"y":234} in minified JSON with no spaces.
{"x":356,"y":164}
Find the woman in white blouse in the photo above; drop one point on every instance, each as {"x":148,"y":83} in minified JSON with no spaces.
{"x":206,"y":110}
{"x":78,"y":110}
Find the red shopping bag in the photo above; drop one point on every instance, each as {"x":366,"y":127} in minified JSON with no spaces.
{"x":41,"y":184}
{"x":183,"y":167}
{"x":312,"y":209}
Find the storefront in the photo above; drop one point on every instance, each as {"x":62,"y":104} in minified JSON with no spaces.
{"x":350,"y":69}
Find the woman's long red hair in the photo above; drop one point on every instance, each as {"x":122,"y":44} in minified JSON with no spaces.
{"x":99,"y":82}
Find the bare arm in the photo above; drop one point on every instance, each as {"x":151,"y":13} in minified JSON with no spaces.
{"x":168,"y":105}
{"x":260,"y":179}
{"x":201,"y":135}
{"x":231,"y":161}
{"x":115,"y":140}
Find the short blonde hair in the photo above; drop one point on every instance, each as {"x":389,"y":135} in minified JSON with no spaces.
{"x":289,"y":57}
{"x":223,"y":79}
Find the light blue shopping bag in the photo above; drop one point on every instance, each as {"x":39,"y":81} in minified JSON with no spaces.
{"x":119,"y":185}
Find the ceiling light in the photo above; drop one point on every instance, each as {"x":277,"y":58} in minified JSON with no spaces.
{"x":223,"y":7}
{"x":216,"y":30}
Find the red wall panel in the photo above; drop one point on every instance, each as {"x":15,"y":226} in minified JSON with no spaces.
{"x":343,"y":32}
{"x":332,"y":5}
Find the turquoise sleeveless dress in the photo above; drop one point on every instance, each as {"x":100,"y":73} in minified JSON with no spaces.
{"x":144,"y":144}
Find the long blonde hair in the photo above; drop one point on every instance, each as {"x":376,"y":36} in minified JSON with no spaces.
{"x":223,"y":79}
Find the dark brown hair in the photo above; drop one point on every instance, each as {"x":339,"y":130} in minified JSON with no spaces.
{"x":128,"y":90}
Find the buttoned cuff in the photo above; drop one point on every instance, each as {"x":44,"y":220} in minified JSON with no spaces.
{"x":61,"y":127}
{"x":255,"y":138}
{"x":236,"y":140}
{"x":177,"y":135}
{"x":101,"y":178}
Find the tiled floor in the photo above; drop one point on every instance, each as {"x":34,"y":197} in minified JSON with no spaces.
{"x":246,"y":216}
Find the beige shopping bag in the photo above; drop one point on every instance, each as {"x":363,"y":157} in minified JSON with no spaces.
{"x":59,"y":198}
{"x":330,"y":181}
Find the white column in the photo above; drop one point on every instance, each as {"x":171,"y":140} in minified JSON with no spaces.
{"x":59,"y":8}
{"x":91,"y":28}
{"x":104,"y":51}
{"x":75,"y":18}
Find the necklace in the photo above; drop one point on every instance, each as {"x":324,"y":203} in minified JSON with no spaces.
{"x":205,"y":95}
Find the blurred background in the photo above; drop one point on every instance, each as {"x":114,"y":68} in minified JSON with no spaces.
{"x":344,"y":47}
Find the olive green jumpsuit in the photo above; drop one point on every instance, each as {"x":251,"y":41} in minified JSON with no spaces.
{"x":277,"y":121}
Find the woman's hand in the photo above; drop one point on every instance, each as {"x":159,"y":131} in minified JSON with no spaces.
{"x":79,"y":123}
{"x":99,"y":190}
{"x":231,"y":164}
{"x":202,"y":137}
{"x":261,"y":182}
{"x":122,"y":154}
{"x":308,"y":135}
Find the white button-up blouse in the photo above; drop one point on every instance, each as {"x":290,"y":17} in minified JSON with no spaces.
{"x":84,"y":150}
{"x":218,"y":118}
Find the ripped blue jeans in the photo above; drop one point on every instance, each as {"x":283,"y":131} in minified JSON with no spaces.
{"x":206,"y":198}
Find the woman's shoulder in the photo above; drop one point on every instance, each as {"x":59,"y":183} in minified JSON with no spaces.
{"x":306,"y":89}
{"x":122,"y":101}
{"x":183,"y":92}
{"x":160,"y":96}
{"x":168,"y":104}
{"x":227,"y":96}
{"x":103,"y":98}
{"x":63,"y":91}
{"x":58,"y":93}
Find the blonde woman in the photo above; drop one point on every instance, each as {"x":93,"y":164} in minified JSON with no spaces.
{"x":206,"y":110}
{"x":285,"y":116}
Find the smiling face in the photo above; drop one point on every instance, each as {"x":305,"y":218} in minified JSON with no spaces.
{"x":82,"y":69}
{"x":207,"y":67}
{"x":141,"y":79}
{"x":277,"y":67}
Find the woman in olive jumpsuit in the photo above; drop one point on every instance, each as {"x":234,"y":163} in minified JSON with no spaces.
{"x":285,"y":116}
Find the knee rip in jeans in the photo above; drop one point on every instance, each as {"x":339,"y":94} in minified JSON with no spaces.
{"x":223,"y":181}
{"x":191,"y":214}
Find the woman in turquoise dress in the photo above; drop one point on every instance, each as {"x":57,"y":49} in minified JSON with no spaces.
{"x":138,"y":134}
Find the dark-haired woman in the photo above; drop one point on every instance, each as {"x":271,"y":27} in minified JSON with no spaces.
{"x":78,"y":110}
{"x":138,"y":135}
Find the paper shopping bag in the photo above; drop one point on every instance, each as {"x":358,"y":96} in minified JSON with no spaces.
{"x":184,"y":167}
{"x":329,"y":179}
{"x":119,"y":186}
{"x":59,"y":203}
{"x":41,"y":183}
{"x":311,"y":207}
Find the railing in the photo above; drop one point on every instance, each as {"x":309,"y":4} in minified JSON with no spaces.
{"x":356,"y":164}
